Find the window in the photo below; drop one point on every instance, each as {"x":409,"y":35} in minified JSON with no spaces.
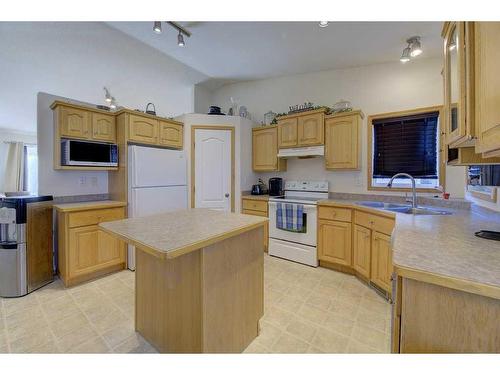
{"x":31,"y":169}
{"x":405,"y":142}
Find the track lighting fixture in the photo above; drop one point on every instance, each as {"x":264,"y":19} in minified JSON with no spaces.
{"x":180,"y":40}
{"x":323,"y":23}
{"x":157,"y":27}
{"x":181,"y":31}
{"x":413,"y":49}
{"x":107,"y":96}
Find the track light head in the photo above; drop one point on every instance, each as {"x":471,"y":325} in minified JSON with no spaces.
{"x":107,"y":95}
{"x":405,"y":57}
{"x":180,"y":40}
{"x":323,"y":23}
{"x":157,"y":27}
{"x":415,"y":46}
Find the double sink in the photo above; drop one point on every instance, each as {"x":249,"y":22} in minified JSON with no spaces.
{"x":404,"y":208}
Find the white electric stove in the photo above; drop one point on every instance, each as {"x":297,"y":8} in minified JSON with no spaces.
{"x":298,"y":247}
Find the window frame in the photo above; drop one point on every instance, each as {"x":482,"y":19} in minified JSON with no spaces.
{"x":441,"y":155}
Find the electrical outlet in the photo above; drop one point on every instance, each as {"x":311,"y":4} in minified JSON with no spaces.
{"x":82,"y":180}
{"x":359,"y":181}
{"x":94,"y":181}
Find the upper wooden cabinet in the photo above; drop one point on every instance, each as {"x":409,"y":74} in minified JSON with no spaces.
{"x":143,"y":129}
{"x":73,"y":122}
{"x":287,"y":133}
{"x":310,"y":129}
{"x":301,"y":129}
{"x":342,"y":140}
{"x":171,"y":134}
{"x":265,"y":150}
{"x":487,"y":85}
{"x":103,"y":127}
{"x":458,"y":81}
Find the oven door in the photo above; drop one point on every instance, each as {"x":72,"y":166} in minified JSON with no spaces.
{"x":306,"y":238}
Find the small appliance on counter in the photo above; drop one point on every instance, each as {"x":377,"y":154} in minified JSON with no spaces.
{"x":260,"y":188}
{"x":275,"y":186}
{"x":26,"y":251}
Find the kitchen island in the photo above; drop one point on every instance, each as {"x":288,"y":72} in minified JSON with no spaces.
{"x":199,"y":278}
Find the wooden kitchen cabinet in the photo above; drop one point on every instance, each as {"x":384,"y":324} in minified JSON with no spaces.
{"x":302,"y":129}
{"x":171,"y":134}
{"x":334,"y":242}
{"x":265,"y":150}
{"x":259,"y":207}
{"x":381,"y":260}
{"x":143,"y":129}
{"x":487,"y":85}
{"x":73,"y":122}
{"x":311,"y":129}
{"x":85,"y":251}
{"x":342,"y":140}
{"x":287,"y":133}
{"x":362,"y":244}
{"x":103,"y":127}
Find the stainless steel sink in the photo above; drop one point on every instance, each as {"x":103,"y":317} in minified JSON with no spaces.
{"x":404,"y":208}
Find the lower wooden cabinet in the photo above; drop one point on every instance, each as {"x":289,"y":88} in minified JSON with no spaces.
{"x":361,"y":261}
{"x":381,"y":265}
{"x":256,"y":207}
{"x":85,"y":251}
{"x":334,"y":242}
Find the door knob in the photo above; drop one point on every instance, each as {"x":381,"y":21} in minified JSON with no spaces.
{"x":226,"y":195}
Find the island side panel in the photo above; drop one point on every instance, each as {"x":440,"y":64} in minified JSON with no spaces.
{"x":168,"y":301}
{"x":233,"y":292}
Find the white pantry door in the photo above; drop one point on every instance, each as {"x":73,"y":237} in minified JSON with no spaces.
{"x":212,"y":154}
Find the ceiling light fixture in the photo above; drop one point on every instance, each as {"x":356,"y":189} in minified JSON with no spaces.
{"x":157,"y":27}
{"x":181,"y":31}
{"x":323,"y":23}
{"x":416,"y":47}
{"x":405,"y":57}
{"x":180,"y":40}
{"x":107,"y":96}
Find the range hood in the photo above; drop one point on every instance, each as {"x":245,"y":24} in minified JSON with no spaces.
{"x":301,"y":152}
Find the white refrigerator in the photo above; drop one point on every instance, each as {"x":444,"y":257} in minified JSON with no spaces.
{"x":157,"y":183}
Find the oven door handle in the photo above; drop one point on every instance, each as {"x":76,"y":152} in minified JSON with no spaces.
{"x":305,"y":205}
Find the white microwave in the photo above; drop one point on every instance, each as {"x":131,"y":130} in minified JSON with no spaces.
{"x":88,"y":154}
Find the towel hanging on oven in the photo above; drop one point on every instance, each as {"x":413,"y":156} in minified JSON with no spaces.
{"x":290,"y":217}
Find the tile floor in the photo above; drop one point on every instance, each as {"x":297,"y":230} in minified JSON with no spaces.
{"x":307,"y":310}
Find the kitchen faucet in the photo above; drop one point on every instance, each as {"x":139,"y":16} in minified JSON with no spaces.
{"x":413,"y":186}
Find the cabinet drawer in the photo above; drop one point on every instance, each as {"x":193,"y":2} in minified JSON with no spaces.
{"x":334,"y":213}
{"x":253,"y":205}
{"x":94,"y":217}
{"x":377,"y":223}
{"x":255,"y":213}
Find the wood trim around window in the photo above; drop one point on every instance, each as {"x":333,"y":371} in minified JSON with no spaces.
{"x":214,"y":127}
{"x":442,"y":156}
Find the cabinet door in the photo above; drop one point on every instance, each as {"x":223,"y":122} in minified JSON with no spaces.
{"x":171,"y":134}
{"x":103,"y":127}
{"x":83,"y":250}
{"x":342,"y":142}
{"x":287,"y":133}
{"x":311,"y":129}
{"x":74,"y":123}
{"x":334,"y":242}
{"x":362,"y":250}
{"x":265,"y":149}
{"x":487,"y":53}
{"x":143,"y":130}
{"x":111,"y":250}
{"x":381,"y":260}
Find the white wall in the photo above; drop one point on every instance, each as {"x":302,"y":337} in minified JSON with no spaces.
{"x":7,"y":135}
{"x":244,"y":176}
{"x":75,"y":60}
{"x":202,"y":99}
{"x":373,"y":89}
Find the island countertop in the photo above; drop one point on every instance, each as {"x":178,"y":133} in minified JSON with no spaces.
{"x":172,"y":234}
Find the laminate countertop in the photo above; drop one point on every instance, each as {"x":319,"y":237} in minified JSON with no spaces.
{"x":92,"y":205}
{"x":445,"y":246}
{"x":263,"y":197}
{"x":172,"y":234}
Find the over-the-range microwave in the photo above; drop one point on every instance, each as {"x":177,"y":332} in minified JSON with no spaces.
{"x":88,"y":154}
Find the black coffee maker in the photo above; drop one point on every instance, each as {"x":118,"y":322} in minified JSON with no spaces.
{"x":275,"y":186}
